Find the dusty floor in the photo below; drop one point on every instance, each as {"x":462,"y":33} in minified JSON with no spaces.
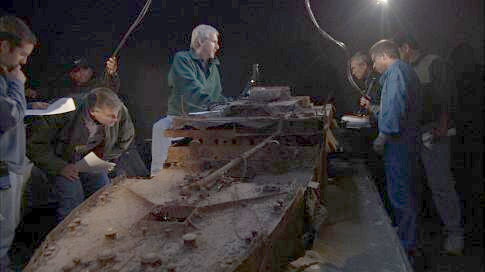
{"x":358,"y":239}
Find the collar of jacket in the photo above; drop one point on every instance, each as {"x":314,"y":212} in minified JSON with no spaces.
{"x":82,"y":114}
{"x":77,"y":131}
{"x":370,"y":77}
{"x":194,"y":56}
{"x":388,"y":71}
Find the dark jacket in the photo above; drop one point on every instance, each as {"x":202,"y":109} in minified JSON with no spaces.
{"x":437,"y":85}
{"x":53,"y":140}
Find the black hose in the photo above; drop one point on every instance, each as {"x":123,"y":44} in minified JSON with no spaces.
{"x":137,"y":21}
{"x":338,"y":43}
{"x":132,"y":27}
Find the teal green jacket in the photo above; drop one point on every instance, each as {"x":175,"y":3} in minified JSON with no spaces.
{"x":191,"y":89}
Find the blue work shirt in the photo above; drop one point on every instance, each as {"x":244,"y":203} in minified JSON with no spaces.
{"x":400,"y":100}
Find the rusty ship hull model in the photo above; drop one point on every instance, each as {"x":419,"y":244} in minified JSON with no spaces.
{"x":231,"y":197}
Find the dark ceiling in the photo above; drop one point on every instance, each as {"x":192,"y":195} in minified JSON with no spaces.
{"x":275,"y":33}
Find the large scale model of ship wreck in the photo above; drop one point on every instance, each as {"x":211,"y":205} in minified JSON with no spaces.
{"x":231,"y":197}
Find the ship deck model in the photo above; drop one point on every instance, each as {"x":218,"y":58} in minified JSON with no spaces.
{"x":230,"y":198}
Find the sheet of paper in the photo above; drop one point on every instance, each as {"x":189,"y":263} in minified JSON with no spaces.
{"x":93,"y":164}
{"x":62,"y":105}
{"x":356,"y":121}
{"x":204,"y":112}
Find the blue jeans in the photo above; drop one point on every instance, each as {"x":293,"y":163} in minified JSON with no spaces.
{"x":71,"y":193}
{"x":436,"y":162}
{"x":400,"y":162}
{"x":10,"y":211}
{"x":9,"y":214}
{"x":160,"y":144}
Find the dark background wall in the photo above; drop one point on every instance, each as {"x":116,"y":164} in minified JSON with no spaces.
{"x":275,"y":33}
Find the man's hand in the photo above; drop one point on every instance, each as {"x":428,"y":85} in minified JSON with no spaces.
{"x":16,"y":74}
{"x":379,"y":143}
{"x":31,"y":93}
{"x":439,"y":132}
{"x":112,"y":65}
{"x":442,"y":129}
{"x":365,"y":102}
{"x":70,"y":172}
{"x":39,"y":105}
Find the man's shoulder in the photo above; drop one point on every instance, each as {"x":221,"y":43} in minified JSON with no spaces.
{"x":397,"y":67}
{"x":428,"y":59}
{"x":185,"y":54}
{"x":408,"y":70}
{"x":79,"y":98}
{"x":404,"y":67}
{"x":4,"y":83}
{"x":182,"y":58}
{"x":398,"y":70}
{"x":51,"y":122}
{"x":432,"y":56}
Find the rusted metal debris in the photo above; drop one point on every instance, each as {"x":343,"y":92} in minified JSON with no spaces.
{"x":189,"y":239}
{"x":232,"y":187}
{"x":208,"y":181}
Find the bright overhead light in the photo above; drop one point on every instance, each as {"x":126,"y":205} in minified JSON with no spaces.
{"x":379,"y":2}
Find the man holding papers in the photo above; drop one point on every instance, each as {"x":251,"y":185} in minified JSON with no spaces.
{"x":101,"y":125}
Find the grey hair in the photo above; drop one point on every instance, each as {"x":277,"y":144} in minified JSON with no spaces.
{"x":103,"y":98}
{"x":200,"y":34}
{"x":361,"y":57}
{"x":385,"y":47}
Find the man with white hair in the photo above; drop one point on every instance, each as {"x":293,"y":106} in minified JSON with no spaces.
{"x":361,"y":66}
{"x":194,"y":82}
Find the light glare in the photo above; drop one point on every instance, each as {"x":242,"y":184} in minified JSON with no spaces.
{"x":383,"y":2}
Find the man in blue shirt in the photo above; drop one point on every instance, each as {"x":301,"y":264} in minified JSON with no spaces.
{"x":16,"y":44}
{"x":398,"y":124}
